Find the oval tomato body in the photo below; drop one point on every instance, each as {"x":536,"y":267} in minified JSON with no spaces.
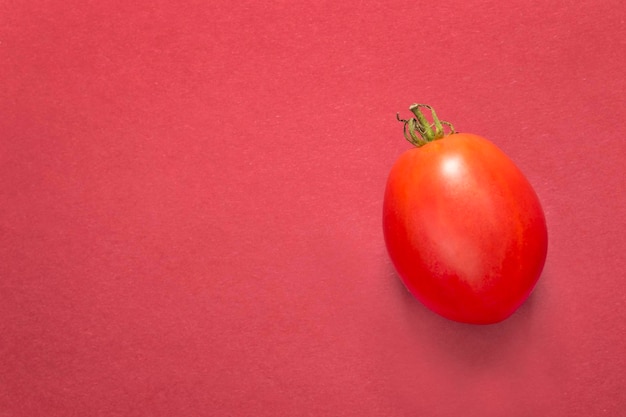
{"x":464,"y":228}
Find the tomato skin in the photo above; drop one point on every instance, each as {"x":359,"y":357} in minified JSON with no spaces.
{"x":464,"y":229}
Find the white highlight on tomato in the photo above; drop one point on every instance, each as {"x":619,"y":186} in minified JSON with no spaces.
{"x":452,"y":166}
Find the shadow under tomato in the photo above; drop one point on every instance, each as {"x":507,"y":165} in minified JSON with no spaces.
{"x":474,"y":345}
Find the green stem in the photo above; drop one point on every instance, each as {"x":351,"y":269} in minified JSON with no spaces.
{"x":419,"y":131}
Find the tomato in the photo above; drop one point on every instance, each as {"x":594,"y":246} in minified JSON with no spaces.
{"x":463,"y":227}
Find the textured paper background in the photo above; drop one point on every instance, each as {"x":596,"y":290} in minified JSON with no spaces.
{"x":190,"y":200}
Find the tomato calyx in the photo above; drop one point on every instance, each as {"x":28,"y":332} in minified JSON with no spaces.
{"x":419,"y":130}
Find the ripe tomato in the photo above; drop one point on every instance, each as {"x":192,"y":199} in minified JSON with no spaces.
{"x":462,"y":225}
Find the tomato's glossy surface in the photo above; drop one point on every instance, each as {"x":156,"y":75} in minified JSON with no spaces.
{"x":464,"y":228}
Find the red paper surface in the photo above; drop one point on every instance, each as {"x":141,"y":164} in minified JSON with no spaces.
{"x":190,"y":207}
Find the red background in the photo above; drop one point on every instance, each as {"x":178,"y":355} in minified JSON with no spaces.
{"x":190,"y":206}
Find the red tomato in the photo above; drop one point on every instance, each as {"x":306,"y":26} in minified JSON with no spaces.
{"x":462,"y":225}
